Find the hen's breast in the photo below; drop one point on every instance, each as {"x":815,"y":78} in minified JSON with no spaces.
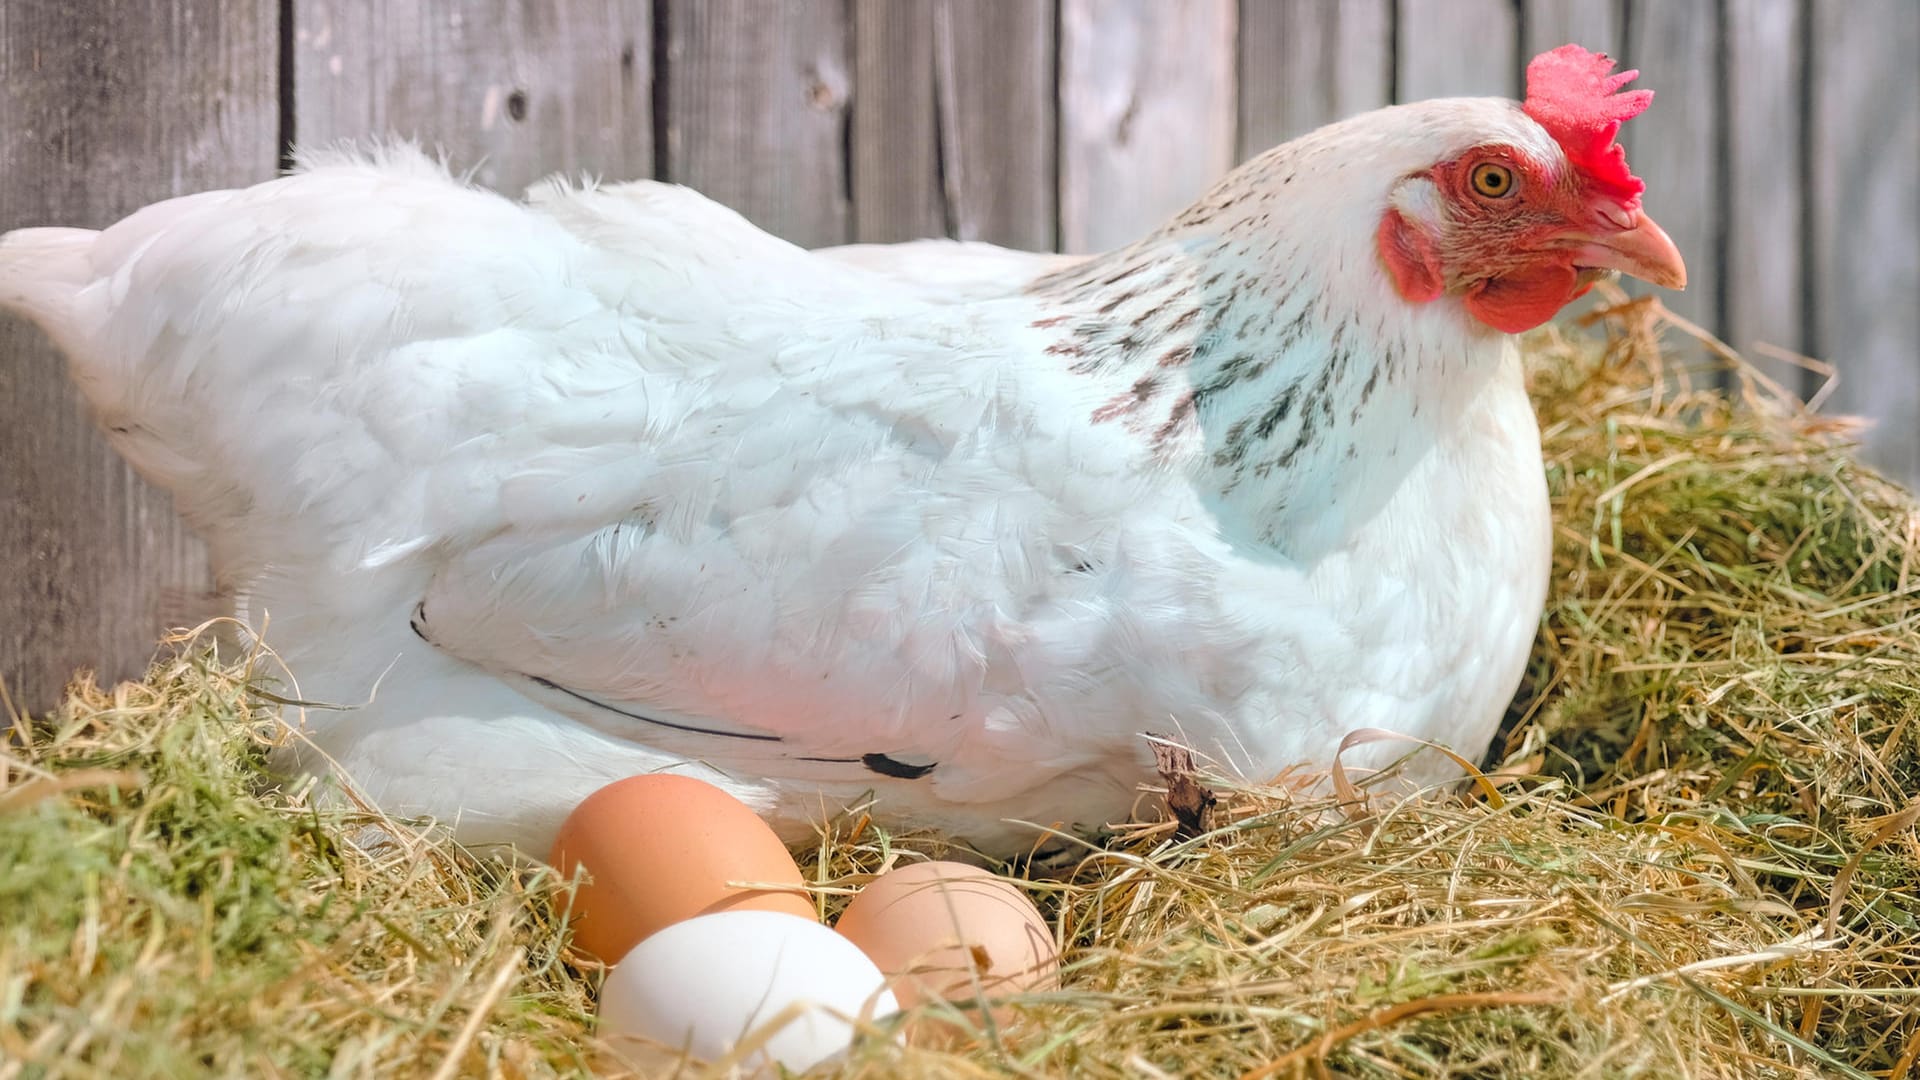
{"x":1442,"y":590}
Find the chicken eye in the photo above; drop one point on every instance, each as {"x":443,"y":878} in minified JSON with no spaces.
{"x":1492,"y":181}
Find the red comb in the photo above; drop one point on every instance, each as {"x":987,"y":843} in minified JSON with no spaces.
{"x":1571,"y":94}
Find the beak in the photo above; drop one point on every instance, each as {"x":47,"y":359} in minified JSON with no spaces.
{"x":1640,"y":248}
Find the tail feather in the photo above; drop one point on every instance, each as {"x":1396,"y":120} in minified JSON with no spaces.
{"x":42,"y":269}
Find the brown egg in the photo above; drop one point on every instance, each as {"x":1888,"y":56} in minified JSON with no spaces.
{"x":661,"y":848}
{"x":947,"y":931}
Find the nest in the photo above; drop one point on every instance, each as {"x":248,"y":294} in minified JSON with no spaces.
{"x":1694,"y":853}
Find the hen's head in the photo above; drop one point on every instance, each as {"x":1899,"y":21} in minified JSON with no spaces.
{"x":1517,"y":210}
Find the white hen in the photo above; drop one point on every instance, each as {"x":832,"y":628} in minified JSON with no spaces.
{"x":612,"y":481}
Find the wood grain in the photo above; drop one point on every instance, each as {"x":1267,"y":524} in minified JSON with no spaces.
{"x":953,"y":121}
{"x":898,"y":192}
{"x":1765,"y":264}
{"x":1146,"y":113}
{"x":1307,"y":64}
{"x":512,"y":89}
{"x":998,"y":121}
{"x":1674,"y":146}
{"x":1593,"y":25}
{"x":1458,"y":48}
{"x":756,"y":104}
{"x":100,"y":121}
{"x":1865,"y":201}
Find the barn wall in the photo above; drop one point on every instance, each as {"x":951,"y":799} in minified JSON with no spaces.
{"x":97,"y":120}
{"x":1783,"y":154}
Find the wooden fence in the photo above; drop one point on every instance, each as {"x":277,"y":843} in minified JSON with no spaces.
{"x":1783,"y":154}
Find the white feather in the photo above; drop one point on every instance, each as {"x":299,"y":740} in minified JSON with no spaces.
{"x":659,"y":488}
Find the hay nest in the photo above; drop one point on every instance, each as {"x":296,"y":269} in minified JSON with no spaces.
{"x":1696,"y":857}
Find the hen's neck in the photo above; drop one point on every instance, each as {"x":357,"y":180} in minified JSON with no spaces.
{"x":1287,"y":378}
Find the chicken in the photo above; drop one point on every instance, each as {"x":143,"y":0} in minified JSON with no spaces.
{"x":536,"y":496}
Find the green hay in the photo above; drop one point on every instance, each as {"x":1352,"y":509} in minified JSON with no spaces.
{"x":1702,"y":861}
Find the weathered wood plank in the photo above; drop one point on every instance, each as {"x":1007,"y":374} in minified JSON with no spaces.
{"x":953,"y":121}
{"x":1146,"y":112}
{"x":1765,"y":265}
{"x":1458,"y":48}
{"x":998,"y":120}
{"x":897,"y":188}
{"x":512,"y":89}
{"x":1866,"y":217}
{"x":1674,"y":145}
{"x":1304,"y":64}
{"x":100,"y":121}
{"x":1593,"y":25}
{"x":756,"y":109}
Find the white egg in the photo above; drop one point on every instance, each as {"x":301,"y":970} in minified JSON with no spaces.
{"x":702,"y":986}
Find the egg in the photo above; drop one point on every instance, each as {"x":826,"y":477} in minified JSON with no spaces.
{"x":946,"y":931}
{"x":661,"y":848}
{"x":700,"y":987}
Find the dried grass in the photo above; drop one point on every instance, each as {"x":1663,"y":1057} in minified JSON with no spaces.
{"x":1701,"y":860}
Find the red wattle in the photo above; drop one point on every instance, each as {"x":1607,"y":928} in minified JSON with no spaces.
{"x":1519,"y":302}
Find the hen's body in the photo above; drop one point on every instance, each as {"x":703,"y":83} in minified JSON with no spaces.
{"x":551,"y":495}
